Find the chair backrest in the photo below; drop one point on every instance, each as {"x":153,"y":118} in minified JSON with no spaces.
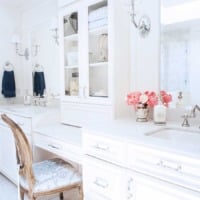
{"x":23,"y":151}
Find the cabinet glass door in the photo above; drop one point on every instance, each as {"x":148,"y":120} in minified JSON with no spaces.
{"x":98,"y":50}
{"x":71,"y":51}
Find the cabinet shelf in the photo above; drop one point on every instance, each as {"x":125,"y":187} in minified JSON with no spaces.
{"x":71,"y":66}
{"x":73,"y":37}
{"x":99,"y":30}
{"x":98,"y":64}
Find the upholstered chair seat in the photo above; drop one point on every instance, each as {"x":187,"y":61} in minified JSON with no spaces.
{"x":52,"y":174}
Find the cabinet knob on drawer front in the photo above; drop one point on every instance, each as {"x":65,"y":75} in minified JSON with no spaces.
{"x":101,"y":183}
{"x":102,"y":147}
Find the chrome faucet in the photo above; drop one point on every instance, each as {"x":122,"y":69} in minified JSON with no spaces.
{"x":185,"y":121}
{"x":191,"y":115}
{"x":193,"y":111}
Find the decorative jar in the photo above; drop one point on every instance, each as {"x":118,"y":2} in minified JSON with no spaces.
{"x":142,"y":113}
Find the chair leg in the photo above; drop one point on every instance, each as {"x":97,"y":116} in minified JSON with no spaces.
{"x":21,"y":193}
{"x":61,"y":196}
{"x":81,"y":192}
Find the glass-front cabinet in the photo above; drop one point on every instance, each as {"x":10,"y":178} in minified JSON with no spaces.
{"x":98,"y":50}
{"x":85,"y":64}
{"x":70,"y":43}
{"x":90,"y":57}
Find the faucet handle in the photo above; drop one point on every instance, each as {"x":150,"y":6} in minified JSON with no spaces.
{"x":185,"y":120}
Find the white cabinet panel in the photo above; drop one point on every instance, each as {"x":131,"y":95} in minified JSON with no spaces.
{"x":103,"y":148}
{"x":102,"y":179}
{"x":179,"y":169}
{"x":94,"y":59}
{"x":142,"y":187}
{"x":70,"y":151}
{"x":8,"y":161}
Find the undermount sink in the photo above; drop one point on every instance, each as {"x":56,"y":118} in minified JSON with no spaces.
{"x":179,"y":136}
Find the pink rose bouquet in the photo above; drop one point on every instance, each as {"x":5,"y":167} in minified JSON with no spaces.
{"x":148,"y":98}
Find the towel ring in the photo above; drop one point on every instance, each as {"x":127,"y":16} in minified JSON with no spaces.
{"x":38,"y":68}
{"x":8,"y":66}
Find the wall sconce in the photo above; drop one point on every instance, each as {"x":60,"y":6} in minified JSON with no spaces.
{"x":26,"y":54}
{"x":16,"y":42}
{"x":144,"y":23}
{"x":54,"y":29}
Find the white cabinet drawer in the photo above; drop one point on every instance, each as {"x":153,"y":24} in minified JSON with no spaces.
{"x":175,"y":168}
{"x":65,"y":150}
{"x":23,"y":122}
{"x":103,"y":179}
{"x":103,"y":148}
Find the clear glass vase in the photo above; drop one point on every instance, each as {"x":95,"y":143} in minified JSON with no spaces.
{"x":160,"y":114}
{"x":142,"y":113}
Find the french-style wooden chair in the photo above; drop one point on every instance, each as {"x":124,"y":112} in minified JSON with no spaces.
{"x":42,"y":178}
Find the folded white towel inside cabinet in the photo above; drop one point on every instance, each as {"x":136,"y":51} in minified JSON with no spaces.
{"x":98,"y":14}
{"x":98,"y":23}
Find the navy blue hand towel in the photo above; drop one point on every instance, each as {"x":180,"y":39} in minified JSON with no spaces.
{"x":39,"y":83}
{"x":8,"y":84}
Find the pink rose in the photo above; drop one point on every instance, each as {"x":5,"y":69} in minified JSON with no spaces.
{"x":153,"y":99}
{"x":133,"y":98}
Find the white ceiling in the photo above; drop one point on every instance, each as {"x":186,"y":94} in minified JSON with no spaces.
{"x":167,"y":3}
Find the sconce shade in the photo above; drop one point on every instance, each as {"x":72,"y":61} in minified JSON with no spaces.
{"x":15,"y":39}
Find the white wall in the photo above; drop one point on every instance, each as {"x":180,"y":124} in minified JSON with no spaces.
{"x":146,"y":51}
{"x":36,"y":21}
{"x":194,"y":67}
{"x":9,"y":23}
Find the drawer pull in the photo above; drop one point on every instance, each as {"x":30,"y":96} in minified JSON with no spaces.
{"x":101,"y":183}
{"x":102,"y":147}
{"x":169,"y":165}
{"x":54,"y":146}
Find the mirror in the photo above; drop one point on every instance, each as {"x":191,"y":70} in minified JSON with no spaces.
{"x":180,"y":50}
{"x":46,"y":60}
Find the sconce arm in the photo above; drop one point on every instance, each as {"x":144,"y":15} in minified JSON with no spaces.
{"x":144,"y":24}
{"x":26,"y":53}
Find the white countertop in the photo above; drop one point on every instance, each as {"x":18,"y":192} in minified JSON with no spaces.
{"x":46,"y":122}
{"x":128,"y":130}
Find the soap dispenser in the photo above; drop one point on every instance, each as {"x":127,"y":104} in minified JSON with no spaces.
{"x":179,"y":103}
